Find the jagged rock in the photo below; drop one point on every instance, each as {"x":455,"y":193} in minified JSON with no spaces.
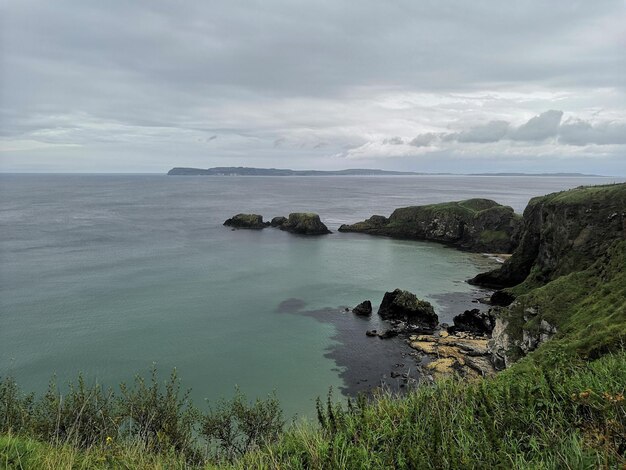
{"x":364,"y":308}
{"x":501,"y":298}
{"x":246,"y":221}
{"x":278,"y":221}
{"x":304,"y":224}
{"x":371,"y":333}
{"x":473,"y":321}
{"x":475,"y":224}
{"x":404,"y":305}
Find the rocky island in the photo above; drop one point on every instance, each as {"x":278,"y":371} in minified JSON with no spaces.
{"x":301,"y":223}
{"x":479,"y":225}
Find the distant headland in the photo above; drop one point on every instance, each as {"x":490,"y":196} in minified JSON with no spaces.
{"x":246,"y":171}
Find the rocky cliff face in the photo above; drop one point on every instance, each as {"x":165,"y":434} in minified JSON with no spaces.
{"x":566,"y":280}
{"x":561,"y":233}
{"x":475,"y":224}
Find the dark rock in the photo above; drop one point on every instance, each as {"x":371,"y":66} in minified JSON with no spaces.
{"x":502,"y":298}
{"x":304,"y":224}
{"x":364,"y":308}
{"x":474,"y":321}
{"x":371,"y":333}
{"x":346,"y":309}
{"x":246,"y":221}
{"x":278,"y":221}
{"x":395,"y":374}
{"x":475,"y":224}
{"x":404,"y":305}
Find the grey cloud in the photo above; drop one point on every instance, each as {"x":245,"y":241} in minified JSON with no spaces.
{"x":579,"y":132}
{"x":546,"y":125}
{"x":493,"y":131}
{"x":538,"y":128}
{"x":424,"y":140}
{"x":394,"y":141}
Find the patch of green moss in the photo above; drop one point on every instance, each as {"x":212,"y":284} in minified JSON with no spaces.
{"x":490,"y":236}
{"x":587,"y":307}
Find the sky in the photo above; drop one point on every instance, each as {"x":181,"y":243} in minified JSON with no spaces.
{"x":420,"y":85}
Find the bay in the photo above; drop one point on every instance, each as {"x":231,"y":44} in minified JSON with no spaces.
{"x":110,"y":274}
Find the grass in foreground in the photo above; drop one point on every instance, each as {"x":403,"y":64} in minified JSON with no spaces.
{"x":570,"y":416}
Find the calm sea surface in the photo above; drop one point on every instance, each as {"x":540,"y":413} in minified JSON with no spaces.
{"x":109,"y":274}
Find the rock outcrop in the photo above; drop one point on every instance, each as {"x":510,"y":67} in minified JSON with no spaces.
{"x":405,"y":306}
{"x":304,"y":224}
{"x":461,"y":354}
{"x":474,"y":321}
{"x":479,"y":225}
{"x":246,"y":221}
{"x":364,"y":308}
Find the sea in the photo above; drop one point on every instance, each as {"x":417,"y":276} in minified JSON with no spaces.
{"x":112,"y":275}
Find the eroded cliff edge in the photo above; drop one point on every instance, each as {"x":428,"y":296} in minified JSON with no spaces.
{"x":479,"y":225}
{"x":566,"y":278}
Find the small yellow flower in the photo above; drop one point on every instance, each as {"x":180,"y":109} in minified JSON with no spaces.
{"x":109,"y":440}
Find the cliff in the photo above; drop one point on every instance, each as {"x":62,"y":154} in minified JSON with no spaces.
{"x":566,"y":280}
{"x":480,"y":225}
{"x":561,"y":233}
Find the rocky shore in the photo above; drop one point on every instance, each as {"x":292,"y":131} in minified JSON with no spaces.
{"x":566,"y":245}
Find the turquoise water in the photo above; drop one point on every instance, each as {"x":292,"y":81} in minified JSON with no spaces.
{"x":110,"y":274}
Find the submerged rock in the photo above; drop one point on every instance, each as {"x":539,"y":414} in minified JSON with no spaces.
{"x":304,"y":224}
{"x":246,"y":221}
{"x":404,"y":305}
{"x":371,"y":333}
{"x":390,"y":333}
{"x":364,"y":308}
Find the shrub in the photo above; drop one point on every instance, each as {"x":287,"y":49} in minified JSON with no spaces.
{"x":236,"y":427}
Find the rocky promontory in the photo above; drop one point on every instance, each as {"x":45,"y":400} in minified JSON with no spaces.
{"x":561,"y":233}
{"x":479,"y":225}
{"x":247,"y":221}
{"x":404,"y":306}
{"x":304,"y":223}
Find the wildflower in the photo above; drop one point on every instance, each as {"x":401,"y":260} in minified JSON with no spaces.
{"x":585,"y":394}
{"x":109,"y":440}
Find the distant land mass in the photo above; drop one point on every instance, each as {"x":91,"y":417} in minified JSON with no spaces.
{"x":246,"y":171}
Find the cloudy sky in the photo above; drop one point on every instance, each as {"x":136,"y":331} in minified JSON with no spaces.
{"x":423,"y":85}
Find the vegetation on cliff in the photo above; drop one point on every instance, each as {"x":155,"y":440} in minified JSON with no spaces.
{"x":474,"y":224}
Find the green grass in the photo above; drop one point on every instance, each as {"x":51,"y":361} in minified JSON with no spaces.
{"x":571,"y":416}
{"x":585,"y":195}
{"x":489,"y":236}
